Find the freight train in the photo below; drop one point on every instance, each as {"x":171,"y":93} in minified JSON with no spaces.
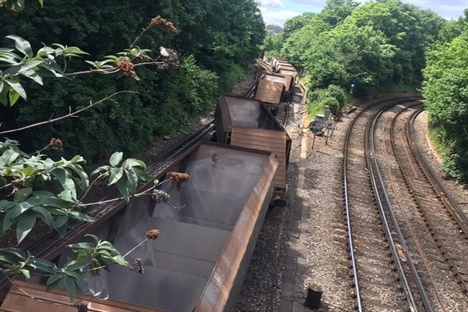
{"x":208,"y":224}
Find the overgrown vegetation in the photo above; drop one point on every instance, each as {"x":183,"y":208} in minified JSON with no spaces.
{"x":382,"y":47}
{"x":214,"y":52}
{"x":445,"y":89}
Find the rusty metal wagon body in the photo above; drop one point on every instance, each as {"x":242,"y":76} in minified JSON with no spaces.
{"x":208,"y":230}
{"x":248,"y":123}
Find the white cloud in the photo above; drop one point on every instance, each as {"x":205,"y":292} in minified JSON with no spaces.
{"x":278,"y":17}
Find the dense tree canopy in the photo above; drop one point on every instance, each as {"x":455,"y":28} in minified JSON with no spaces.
{"x":213,"y":48}
{"x":384,"y":46}
{"x":371,"y":44}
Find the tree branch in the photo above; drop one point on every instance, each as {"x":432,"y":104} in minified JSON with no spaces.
{"x":71,"y":114}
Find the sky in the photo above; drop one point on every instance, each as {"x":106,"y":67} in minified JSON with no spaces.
{"x":276,"y":12}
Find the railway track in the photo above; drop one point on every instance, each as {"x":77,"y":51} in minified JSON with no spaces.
{"x":434,"y":226}
{"x":411,"y":255}
{"x":378,"y":279}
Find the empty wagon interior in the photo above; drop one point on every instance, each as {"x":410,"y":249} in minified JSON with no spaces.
{"x":198,"y":220}
{"x":248,"y":123}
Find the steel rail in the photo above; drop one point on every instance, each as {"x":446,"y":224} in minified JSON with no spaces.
{"x":460,"y":217}
{"x":346,"y":201}
{"x":437,"y":186}
{"x":377,"y":180}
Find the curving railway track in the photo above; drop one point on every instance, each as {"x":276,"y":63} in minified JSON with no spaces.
{"x":435,"y":227}
{"x":406,"y":238}
{"x":378,"y":279}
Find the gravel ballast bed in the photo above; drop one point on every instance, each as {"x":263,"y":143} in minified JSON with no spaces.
{"x":317,"y":260}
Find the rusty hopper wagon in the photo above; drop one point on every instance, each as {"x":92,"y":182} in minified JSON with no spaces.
{"x":248,"y":123}
{"x":269,"y":91}
{"x":287,"y":80}
{"x":208,"y":230}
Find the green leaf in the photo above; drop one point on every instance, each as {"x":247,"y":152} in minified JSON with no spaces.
{"x":82,"y":245}
{"x":22,"y":45}
{"x":61,"y":221}
{"x":132,"y":181}
{"x":53,"y":202}
{"x":69,"y":284}
{"x":74,"y":51}
{"x":42,"y":265}
{"x":115,"y":159}
{"x":84,"y":179}
{"x":5,"y":204}
{"x":62,"y":230}
{"x":25,"y":224}
{"x":24,"y":68}
{"x":120,"y":260}
{"x":93,"y":237}
{"x":25,"y":273}
{"x":45,"y":216}
{"x":22,"y":194}
{"x":77,"y":265}
{"x":142,"y":175}
{"x":21,"y":254}
{"x":100,"y":169}
{"x":123,"y":188}
{"x":8,"y":259}
{"x":79,"y":216}
{"x":133,"y":162}
{"x":28,"y":171}
{"x":53,"y":279}
{"x":116,"y":174}
{"x":9,"y":156}
{"x":13,"y":97}
{"x":17,"y":87}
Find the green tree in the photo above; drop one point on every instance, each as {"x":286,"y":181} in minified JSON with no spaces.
{"x":336,"y":11}
{"x":446,"y":100}
{"x":218,"y":44}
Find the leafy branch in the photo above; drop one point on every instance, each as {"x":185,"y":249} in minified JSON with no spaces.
{"x":37,"y":188}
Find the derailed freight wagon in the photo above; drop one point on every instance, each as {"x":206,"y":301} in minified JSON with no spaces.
{"x":208,"y":227}
{"x":248,"y":123}
{"x":269,"y":91}
{"x":286,"y":80}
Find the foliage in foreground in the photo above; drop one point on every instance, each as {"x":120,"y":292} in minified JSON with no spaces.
{"x":38,"y":182}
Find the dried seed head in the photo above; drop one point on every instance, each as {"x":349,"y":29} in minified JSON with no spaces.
{"x":127,"y":68}
{"x":152,"y":234}
{"x":178,"y":176}
{"x":56,"y":143}
{"x":158,"y":21}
